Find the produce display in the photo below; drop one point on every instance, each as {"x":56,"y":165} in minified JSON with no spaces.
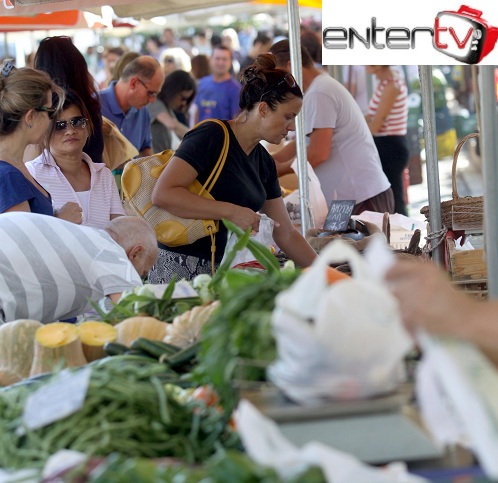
{"x":161,"y":380}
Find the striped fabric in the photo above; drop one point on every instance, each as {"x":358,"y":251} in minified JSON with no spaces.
{"x":396,"y":122}
{"x":103,"y":201}
{"x":50,"y":269}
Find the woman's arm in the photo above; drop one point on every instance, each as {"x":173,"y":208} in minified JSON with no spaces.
{"x":386,"y":103}
{"x":171,"y":193}
{"x":172,"y":123}
{"x":24,"y":206}
{"x":286,"y":236}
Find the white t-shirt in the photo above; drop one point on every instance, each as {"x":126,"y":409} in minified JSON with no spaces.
{"x":353,"y":170}
{"x":50,"y":269}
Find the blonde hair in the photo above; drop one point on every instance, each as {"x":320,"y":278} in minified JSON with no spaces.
{"x":22,"y":90}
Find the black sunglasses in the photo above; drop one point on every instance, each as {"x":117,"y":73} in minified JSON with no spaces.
{"x":288,"y":79}
{"x":77,"y":122}
{"x":149,"y":93}
{"x":49,"y":110}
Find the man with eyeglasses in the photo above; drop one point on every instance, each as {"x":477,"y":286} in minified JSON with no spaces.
{"x":124,"y":102}
{"x":339,"y":144}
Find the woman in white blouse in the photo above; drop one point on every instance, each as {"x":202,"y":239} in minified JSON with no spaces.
{"x":68,"y":174}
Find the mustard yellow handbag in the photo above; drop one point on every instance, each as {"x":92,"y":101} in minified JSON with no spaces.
{"x":138,"y":181}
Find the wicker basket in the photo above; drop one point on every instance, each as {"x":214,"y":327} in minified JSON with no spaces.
{"x":460,"y":213}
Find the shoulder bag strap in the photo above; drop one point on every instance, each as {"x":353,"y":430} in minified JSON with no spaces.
{"x":213,"y":177}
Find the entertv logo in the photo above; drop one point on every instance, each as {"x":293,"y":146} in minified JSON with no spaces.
{"x":462,"y":34}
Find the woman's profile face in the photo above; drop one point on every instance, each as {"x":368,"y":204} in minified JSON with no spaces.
{"x":70,"y":133}
{"x":278,"y":123}
{"x":179,"y":102}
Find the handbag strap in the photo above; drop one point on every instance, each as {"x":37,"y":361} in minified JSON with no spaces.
{"x":215,"y":174}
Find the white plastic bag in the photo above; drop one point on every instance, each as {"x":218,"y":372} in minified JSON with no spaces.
{"x":266,"y":445}
{"x":318,"y":203}
{"x":263,"y":236}
{"x":343,"y":341}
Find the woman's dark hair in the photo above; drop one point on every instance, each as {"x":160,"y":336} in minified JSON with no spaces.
{"x":174,"y":83}
{"x":264,"y":81}
{"x":71,"y":99}
{"x":65,"y":64}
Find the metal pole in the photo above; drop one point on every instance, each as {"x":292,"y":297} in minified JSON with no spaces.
{"x":489,"y":150}
{"x":302,"y":163}
{"x":428,"y":110}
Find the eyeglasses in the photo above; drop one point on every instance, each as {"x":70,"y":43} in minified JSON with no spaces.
{"x":149,"y":93}
{"x":49,"y":110}
{"x":76,"y":122}
{"x":288,"y":79}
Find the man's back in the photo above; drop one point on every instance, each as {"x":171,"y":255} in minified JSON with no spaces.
{"x":50,"y":269}
{"x":353,"y":170}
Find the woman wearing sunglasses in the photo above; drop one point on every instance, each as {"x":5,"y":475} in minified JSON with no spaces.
{"x":25,"y":110}
{"x":70,"y":175}
{"x":248,"y":185}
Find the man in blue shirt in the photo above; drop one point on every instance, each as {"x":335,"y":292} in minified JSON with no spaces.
{"x":124,"y":102}
{"x":218,"y":93}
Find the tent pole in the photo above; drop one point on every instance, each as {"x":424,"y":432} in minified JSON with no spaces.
{"x":297,"y":72}
{"x":489,"y":150}
{"x":428,"y":110}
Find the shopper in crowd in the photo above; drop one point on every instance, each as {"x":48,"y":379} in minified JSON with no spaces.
{"x":340,"y":147}
{"x":56,"y":269}
{"x":200,"y":66}
{"x":388,"y":119}
{"x":260,"y":45}
{"x":110,"y":58}
{"x":124,"y":102}
{"x":230,"y":39}
{"x":176,"y":95}
{"x":218,"y":94}
{"x":25,"y":111}
{"x":313,"y":44}
{"x":123,"y":61}
{"x":354,"y":78}
{"x":248,"y":184}
{"x":174,"y":58}
{"x":70,"y":174}
{"x":65,"y":64}
{"x":428,"y":301}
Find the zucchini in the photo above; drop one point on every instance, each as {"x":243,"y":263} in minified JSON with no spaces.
{"x":114,"y":349}
{"x":184,"y":356}
{"x":155,"y":348}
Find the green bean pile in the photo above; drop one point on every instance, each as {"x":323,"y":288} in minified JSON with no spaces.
{"x":128,"y":410}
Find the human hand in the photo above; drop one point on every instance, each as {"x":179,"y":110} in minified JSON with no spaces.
{"x":71,"y":211}
{"x":245,"y":218}
{"x":426,"y":299}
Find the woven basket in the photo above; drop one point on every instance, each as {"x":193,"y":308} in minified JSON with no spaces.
{"x":460,"y":213}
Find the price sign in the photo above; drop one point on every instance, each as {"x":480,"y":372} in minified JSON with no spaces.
{"x":339,"y":215}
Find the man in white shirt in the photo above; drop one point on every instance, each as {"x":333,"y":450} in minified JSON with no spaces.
{"x":340,"y":146}
{"x":51,"y":269}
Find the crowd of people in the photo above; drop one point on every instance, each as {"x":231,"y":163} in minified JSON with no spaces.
{"x":63,"y":226}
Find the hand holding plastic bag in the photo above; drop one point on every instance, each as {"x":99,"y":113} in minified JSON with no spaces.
{"x":343,"y":341}
{"x":263,"y":236}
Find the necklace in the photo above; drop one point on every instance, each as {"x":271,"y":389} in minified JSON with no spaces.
{"x":10,"y":158}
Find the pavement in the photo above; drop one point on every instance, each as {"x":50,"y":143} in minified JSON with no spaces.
{"x":469,"y":180}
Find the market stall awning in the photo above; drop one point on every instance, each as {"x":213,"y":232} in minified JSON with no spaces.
{"x":41,"y":21}
{"x":302,"y":3}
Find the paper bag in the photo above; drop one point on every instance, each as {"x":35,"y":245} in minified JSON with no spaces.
{"x":117,"y":148}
